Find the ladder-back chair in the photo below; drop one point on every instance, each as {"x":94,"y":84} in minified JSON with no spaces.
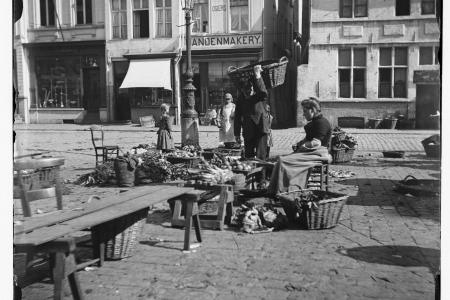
{"x":39,"y":179}
{"x":103,"y":152}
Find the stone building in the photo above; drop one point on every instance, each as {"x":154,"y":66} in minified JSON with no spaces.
{"x":118,"y":60}
{"x":371,"y":59}
{"x":59,"y":61}
{"x":149,"y":35}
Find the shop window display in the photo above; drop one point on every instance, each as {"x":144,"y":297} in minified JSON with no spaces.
{"x":220,"y":83}
{"x":147,"y":97}
{"x":58,"y":83}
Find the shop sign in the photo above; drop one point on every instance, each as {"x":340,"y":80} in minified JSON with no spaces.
{"x":227,"y":41}
{"x":218,"y":8}
{"x":427,"y":76}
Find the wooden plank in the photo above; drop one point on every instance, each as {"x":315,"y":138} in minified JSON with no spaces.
{"x":43,"y":235}
{"x":30,"y":224}
{"x":41,"y":194}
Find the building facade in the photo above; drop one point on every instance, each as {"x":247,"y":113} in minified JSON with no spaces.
{"x":119,"y":60}
{"x":59,"y":60}
{"x":225,"y":34}
{"x":372,"y":59}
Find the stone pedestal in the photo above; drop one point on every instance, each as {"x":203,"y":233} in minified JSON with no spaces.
{"x":189,"y":130}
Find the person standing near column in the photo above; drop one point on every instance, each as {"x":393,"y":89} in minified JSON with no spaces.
{"x":225,"y":119}
{"x":252,"y":116}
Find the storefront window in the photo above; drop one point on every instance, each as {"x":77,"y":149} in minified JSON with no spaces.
{"x":220,"y":83}
{"x":58,"y":82}
{"x":145,"y":97}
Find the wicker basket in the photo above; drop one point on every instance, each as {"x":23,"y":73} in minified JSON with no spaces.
{"x":36,"y":179}
{"x":125,"y":172}
{"x":147,"y":121}
{"x":324,"y":214}
{"x":125,"y":232}
{"x":342,"y":155}
{"x":432,"y":150}
{"x":273,"y":74}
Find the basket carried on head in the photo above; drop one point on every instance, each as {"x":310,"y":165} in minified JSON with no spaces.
{"x":313,"y":209}
{"x":273,"y":73}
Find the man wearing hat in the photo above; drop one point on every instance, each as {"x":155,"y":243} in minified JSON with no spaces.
{"x":252,"y":116}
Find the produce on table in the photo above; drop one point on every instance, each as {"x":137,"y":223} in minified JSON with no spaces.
{"x":151,"y":167}
{"x":181,"y":154}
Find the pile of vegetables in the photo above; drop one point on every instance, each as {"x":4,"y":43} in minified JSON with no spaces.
{"x":151,"y":167}
{"x":209,"y":174}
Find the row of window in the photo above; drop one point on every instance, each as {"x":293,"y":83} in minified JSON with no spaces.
{"x":238,"y":12}
{"x":358,"y":8}
{"x":392,"y":71}
{"x":83,"y":9}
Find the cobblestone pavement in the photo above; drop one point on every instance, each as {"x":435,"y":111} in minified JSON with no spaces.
{"x":386,"y":246}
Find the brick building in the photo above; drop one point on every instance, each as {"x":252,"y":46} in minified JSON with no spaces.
{"x":371,"y":59}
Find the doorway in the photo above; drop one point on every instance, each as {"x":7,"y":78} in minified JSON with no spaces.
{"x":427,"y":103}
{"x":91,"y":89}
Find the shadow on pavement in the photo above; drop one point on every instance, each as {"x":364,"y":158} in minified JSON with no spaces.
{"x":380,"y":192}
{"x":423,"y":164}
{"x":404,"y":256}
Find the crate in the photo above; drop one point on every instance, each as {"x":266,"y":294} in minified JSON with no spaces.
{"x":321,"y":214}
{"x":342,"y":155}
{"x":191,"y":162}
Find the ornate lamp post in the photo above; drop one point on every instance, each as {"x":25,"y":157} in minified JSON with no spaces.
{"x":189,"y":117}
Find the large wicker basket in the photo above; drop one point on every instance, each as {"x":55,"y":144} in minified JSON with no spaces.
{"x":273,"y":74}
{"x":324,"y":214}
{"x":432,"y":150}
{"x":34,"y":179}
{"x":125,"y":233}
{"x":342,"y":155}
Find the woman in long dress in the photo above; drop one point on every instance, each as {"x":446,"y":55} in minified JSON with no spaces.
{"x":290,"y":171}
{"x":165,"y":140}
{"x":226,"y":120}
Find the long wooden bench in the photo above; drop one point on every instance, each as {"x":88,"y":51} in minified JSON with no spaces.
{"x":51,"y":233}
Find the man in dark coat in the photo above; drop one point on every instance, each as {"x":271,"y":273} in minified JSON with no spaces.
{"x":252,"y":116}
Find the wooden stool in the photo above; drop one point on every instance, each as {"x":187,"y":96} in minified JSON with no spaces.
{"x":224,"y":209}
{"x":191,"y":199}
{"x":62,"y":266}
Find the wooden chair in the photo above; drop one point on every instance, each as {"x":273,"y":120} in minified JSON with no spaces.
{"x":46,"y":170}
{"x":102,"y":152}
{"x":43,"y":182}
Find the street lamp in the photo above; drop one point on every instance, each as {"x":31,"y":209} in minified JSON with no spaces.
{"x":189,"y":117}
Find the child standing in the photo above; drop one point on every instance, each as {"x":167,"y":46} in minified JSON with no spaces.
{"x":165,"y":140}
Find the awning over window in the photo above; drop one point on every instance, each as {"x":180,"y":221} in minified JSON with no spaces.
{"x":150,"y":73}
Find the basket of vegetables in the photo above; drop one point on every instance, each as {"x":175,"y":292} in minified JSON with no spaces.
{"x":342,"y":146}
{"x":313,"y":209}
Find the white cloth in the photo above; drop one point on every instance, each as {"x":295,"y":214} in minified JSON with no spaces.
{"x":226,"y":131}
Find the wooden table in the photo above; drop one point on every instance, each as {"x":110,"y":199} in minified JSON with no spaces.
{"x":51,"y":234}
